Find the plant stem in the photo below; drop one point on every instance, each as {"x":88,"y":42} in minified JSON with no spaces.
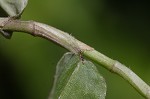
{"x":120,"y":69}
{"x":70,"y":43}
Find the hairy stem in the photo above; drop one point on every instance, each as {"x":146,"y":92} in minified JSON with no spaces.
{"x":69,"y":42}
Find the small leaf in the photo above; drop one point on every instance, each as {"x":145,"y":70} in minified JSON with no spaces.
{"x":13,"y":7}
{"x":75,"y":80}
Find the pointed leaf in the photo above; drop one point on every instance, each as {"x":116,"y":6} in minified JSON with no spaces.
{"x":75,"y":80}
{"x":13,"y":7}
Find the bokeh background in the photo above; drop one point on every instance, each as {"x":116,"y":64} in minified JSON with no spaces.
{"x":118,"y":29}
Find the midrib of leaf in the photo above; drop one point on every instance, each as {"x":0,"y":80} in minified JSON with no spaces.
{"x":76,"y":69}
{"x":66,"y":79}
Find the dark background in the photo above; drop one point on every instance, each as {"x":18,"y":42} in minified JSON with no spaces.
{"x":118,"y":29}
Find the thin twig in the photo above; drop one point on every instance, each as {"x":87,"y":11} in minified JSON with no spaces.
{"x":63,"y":39}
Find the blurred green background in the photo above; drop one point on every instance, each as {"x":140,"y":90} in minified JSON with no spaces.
{"x":118,"y":29}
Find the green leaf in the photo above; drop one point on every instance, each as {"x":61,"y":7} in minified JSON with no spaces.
{"x":75,"y":79}
{"x":13,"y":7}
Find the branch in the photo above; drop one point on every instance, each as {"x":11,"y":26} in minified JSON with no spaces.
{"x":70,"y":43}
